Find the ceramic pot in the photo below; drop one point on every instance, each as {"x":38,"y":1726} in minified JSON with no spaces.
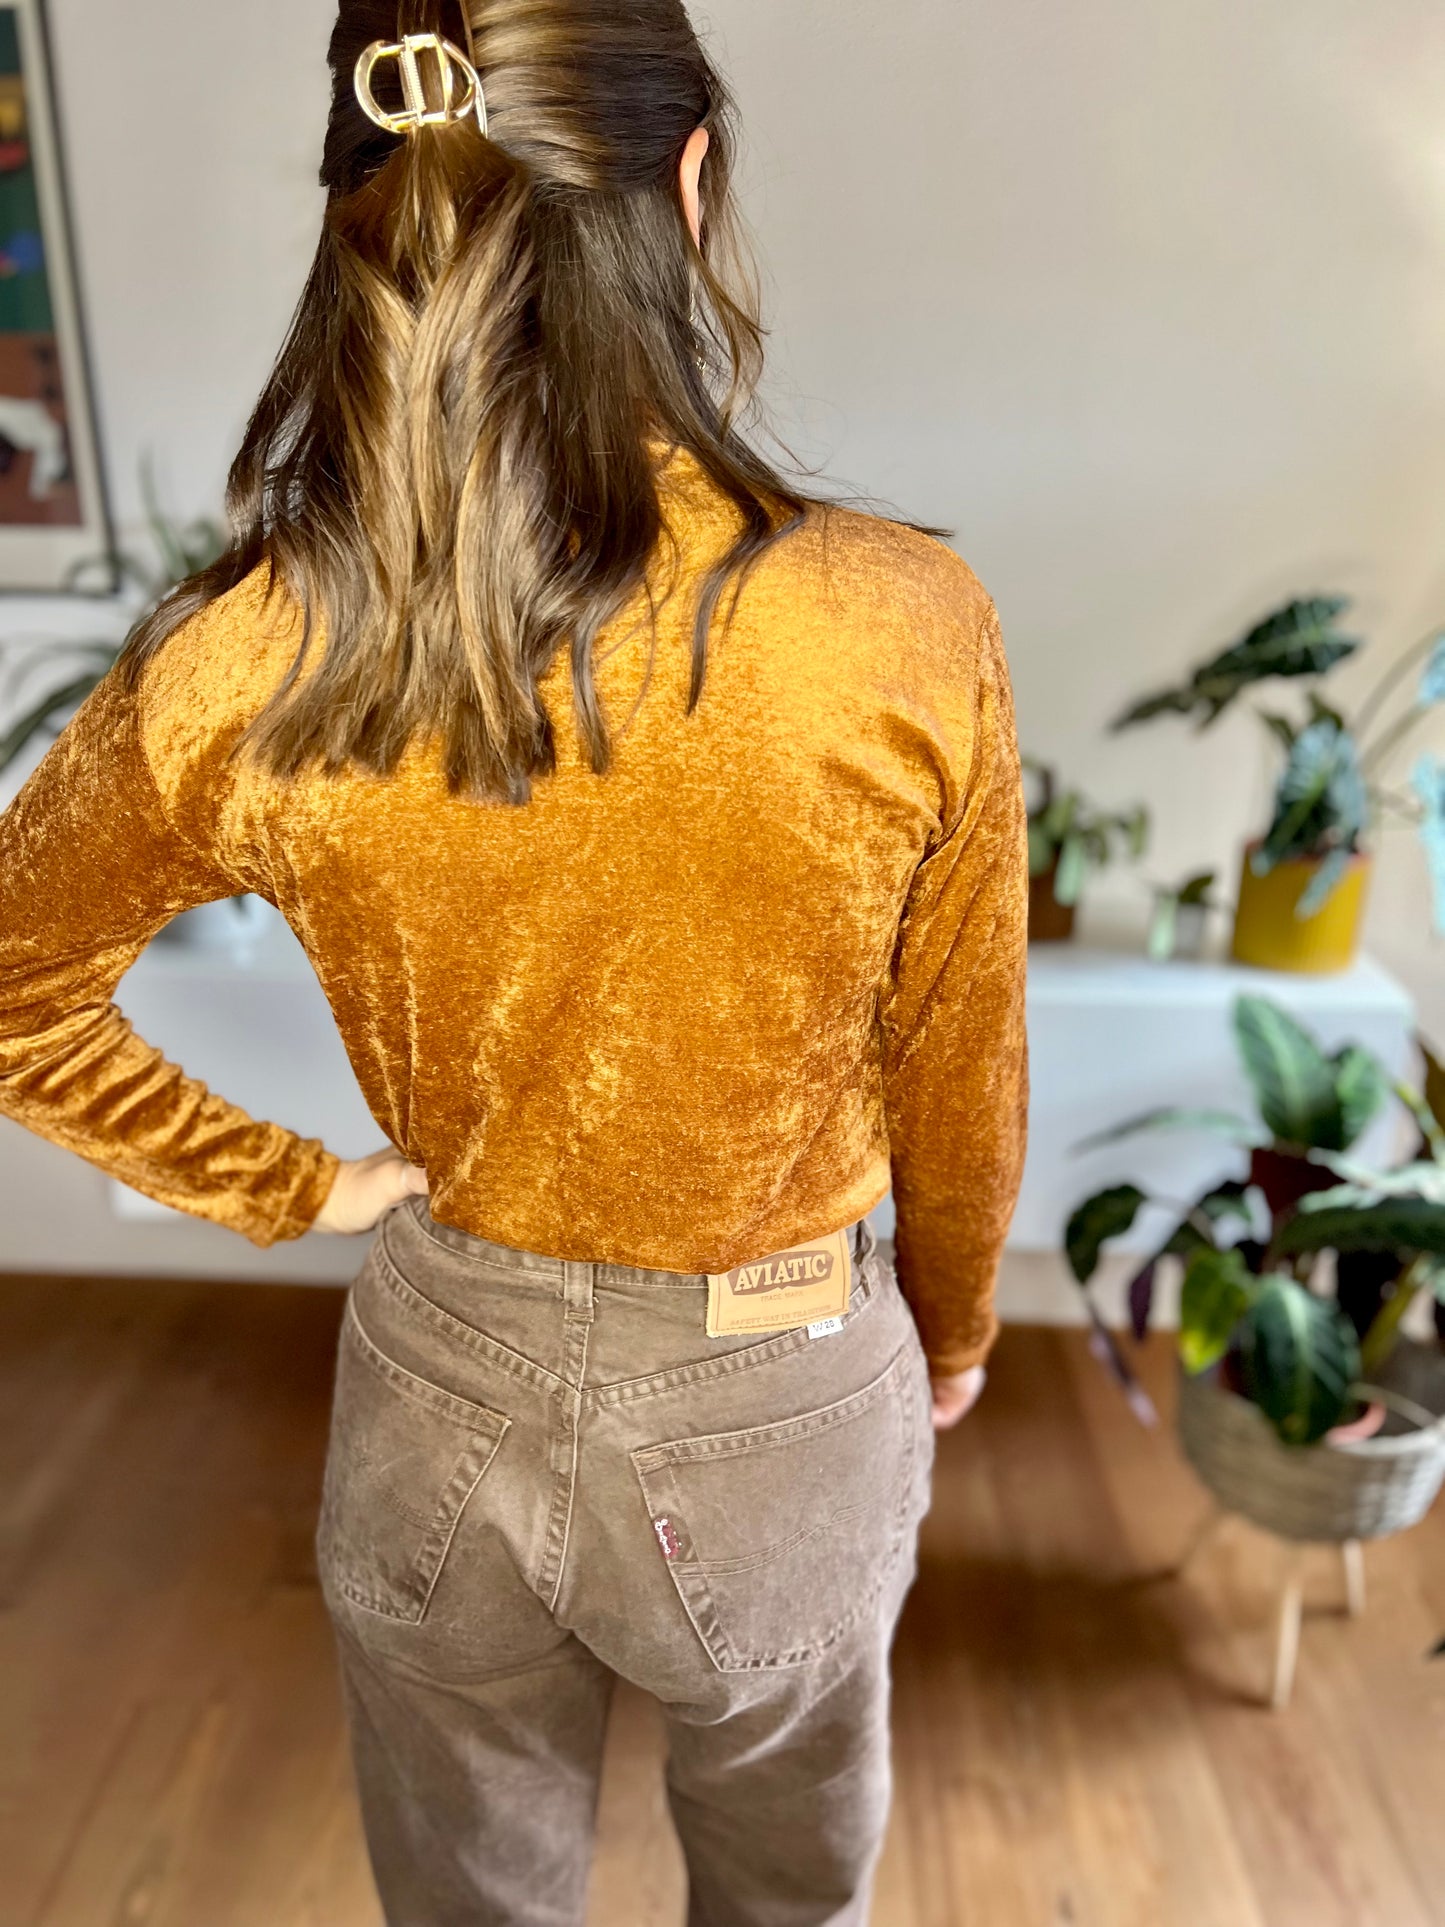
{"x":1269,"y":935}
{"x":1049,"y":920}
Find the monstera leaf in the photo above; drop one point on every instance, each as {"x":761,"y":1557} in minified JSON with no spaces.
{"x":1300,"y":1357}
{"x":1301,"y":639}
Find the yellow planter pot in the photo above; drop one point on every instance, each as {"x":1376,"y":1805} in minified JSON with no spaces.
{"x":1269,"y":935}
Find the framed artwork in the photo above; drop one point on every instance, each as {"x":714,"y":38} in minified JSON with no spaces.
{"x":53,"y":511}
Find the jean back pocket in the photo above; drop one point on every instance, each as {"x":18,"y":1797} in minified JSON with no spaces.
{"x":404,"y":1458}
{"x":782,"y":1538}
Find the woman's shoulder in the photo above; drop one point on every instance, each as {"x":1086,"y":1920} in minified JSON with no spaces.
{"x":885,"y":580}
{"x":227,"y":656}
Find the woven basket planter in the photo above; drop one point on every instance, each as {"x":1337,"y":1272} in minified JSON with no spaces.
{"x":1330,"y":1492}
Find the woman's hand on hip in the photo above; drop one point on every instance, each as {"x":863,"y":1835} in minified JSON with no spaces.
{"x":365,"y":1189}
{"x":954,"y":1398}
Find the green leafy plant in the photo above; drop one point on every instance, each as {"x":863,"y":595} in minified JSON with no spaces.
{"x":1300,"y":1339}
{"x":1070,"y":838}
{"x":1191,"y":899}
{"x":181,"y":548}
{"x":1332,"y":791}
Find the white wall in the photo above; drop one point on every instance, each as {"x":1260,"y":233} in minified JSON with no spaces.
{"x":1147,"y":302}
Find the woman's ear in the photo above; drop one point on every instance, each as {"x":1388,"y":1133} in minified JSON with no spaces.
{"x":689,"y":176}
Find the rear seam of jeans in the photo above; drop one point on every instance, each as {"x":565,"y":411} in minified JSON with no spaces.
{"x":572,"y":1473}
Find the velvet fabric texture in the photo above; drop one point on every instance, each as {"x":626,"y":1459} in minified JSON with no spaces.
{"x":681,"y":1015}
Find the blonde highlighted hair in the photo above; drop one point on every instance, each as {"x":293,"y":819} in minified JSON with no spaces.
{"x":452,"y":466}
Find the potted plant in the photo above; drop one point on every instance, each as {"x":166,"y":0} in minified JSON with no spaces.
{"x":180,"y":550}
{"x":1301,"y":1406}
{"x":1177,"y":926}
{"x":1303,"y":882}
{"x":1069,"y":838}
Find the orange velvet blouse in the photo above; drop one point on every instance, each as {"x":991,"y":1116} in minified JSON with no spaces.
{"x":681,"y":1015}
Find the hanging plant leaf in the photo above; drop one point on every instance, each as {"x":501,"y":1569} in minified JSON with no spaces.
{"x":1294,"y":1084}
{"x":1218,"y":1290}
{"x":1300,"y":639}
{"x":1391,"y":1224}
{"x":1300,"y":1358}
{"x":1108,"y":1214}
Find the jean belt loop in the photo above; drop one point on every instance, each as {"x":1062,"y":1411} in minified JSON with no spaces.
{"x":579,"y":1282}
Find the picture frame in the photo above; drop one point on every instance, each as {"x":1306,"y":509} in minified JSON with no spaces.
{"x":54,"y":513}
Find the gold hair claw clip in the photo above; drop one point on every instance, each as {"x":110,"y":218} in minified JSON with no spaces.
{"x":459,"y":84}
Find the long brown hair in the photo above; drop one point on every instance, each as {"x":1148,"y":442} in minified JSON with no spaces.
{"x":453,"y":466}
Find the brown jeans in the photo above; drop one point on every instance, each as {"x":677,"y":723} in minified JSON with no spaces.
{"x":542,"y":1475}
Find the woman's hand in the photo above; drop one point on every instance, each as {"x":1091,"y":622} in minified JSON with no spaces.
{"x":954,"y":1398}
{"x":365,"y":1189}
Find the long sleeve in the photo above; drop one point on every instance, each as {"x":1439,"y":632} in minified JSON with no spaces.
{"x":91,"y":868}
{"x":955,"y":1051}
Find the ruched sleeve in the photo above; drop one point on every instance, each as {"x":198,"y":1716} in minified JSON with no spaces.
{"x":91,"y":868}
{"x":955,"y":1066}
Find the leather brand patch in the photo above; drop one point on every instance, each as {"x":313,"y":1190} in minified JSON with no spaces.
{"x":783,"y":1291}
{"x":785,"y":1271}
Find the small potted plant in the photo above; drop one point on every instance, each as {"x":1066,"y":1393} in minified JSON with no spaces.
{"x":1301,"y":1404}
{"x":181,"y":550}
{"x":1303,"y":882}
{"x":1177,"y":926}
{"x":1069,"y":838}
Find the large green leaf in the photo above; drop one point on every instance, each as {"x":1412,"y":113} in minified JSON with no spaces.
{"x":1294,"y":1083}
{"x":1226,"y":1124}
{"x":1218,"y":1290}
{"x":1362,"y":1085}
{"x":1108,"y":1214}
{"x":1300,"y":639}
{"x":1392,"y":1224}
{"x":1300,"y":1357}
{"x":1320,"y":802}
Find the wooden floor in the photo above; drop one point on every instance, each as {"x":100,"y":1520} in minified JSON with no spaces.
{"x":1076,"y":1742}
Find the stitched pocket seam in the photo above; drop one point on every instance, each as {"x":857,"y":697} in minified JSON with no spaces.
{"x":690,"y":1576}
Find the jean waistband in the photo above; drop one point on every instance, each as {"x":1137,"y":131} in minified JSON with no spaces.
{"x":862,"y":1243}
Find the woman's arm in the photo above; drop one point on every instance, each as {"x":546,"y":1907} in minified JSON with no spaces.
{"x":955,"y":1053}
{"x":91,"y":868}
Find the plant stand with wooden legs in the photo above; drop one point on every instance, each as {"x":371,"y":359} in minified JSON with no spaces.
{"x":1289,"y":1615}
